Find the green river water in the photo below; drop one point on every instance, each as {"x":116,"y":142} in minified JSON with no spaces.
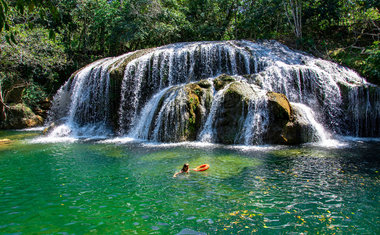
{"x":105,"y":187}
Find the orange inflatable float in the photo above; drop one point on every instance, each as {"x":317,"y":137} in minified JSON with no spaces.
{"x":202,"y":167}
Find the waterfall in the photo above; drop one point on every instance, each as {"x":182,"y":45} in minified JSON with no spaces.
{"x":256,"y":122}
{"x":208,"y":132}
{"x":143,"y":125}
{"x":82,"y":103}
{"x":157,"y":94}
{"x":364,"y":104}
{"x":319,"y":133}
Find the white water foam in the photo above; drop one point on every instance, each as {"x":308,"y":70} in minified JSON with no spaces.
{"x":38,"y":128}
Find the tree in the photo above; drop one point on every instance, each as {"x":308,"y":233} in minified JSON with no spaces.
{"x":295,"y":16}
{"x":44,"y":6}
{"x":15,"y":63}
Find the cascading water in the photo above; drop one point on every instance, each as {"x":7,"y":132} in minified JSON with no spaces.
{"x":256,"y":122}
{"x":82,"y":103}
{"x":319,"y":134}
{"x":208,"y":132}
{"x":159,"y":94}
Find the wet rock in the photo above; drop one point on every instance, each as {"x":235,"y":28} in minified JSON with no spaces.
{"x":228,"y":123}
{"x":279,"y":116}
{"x":222,"y":80}
{"x":297,"y":131}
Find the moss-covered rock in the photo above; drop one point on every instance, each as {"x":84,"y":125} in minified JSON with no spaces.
{"x":20,"y":116}
{"x":222,"y":80}
{"x":282,"y":125}
{"x":198,"y":103}
{"x":194,"y":94}
{"x":180,"y":112}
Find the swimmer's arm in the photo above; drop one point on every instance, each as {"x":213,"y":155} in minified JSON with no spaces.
{"x":175,"y":175}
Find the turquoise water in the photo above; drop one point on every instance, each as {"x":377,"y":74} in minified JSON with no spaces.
{"x":97,"y":187}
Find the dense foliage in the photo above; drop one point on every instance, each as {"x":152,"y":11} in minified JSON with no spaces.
{"x":42,"y":42}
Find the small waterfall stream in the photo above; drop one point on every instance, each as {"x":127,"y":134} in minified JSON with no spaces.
{"x":157,"y":94}
{"x":208,"y":132}
{"x":319,"y":134}
{"x":256,"y":122}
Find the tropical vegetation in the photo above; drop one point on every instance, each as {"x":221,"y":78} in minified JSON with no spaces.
{"x":43,"y":42}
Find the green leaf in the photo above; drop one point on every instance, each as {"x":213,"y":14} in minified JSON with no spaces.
{"x":52,"y":34}
{"x":5,"y":5}
{"x":31,"y":6}
{"x":20,"y":6}
{"x":7,"y":39}
{"x":13,"y":38}
{"x":54,"y":12}
{"x":42,"y":14}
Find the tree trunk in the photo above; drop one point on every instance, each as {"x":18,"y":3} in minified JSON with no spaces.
{"x":3,"y":106}
{"x":295,"y":8}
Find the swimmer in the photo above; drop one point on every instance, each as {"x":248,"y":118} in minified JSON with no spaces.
{"x":185,"y":169}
